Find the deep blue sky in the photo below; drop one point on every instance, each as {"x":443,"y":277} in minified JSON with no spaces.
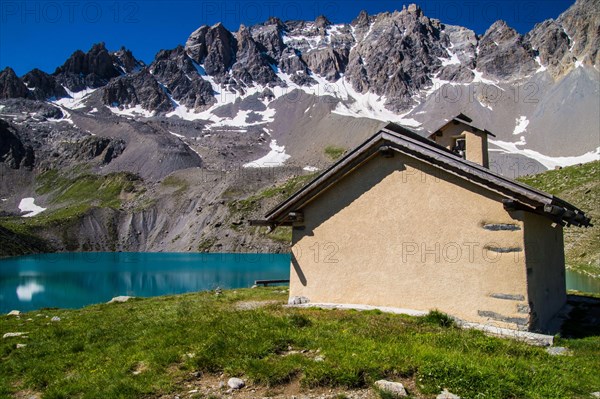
{"x":43,"y":34}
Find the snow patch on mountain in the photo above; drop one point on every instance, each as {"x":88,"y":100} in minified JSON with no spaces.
{"x":542,"y":68}
{"x":76,"y":99}
{"x":453,"y":60}
{"x":137,"y":110}
{"x":276,"y":157}
{"x":177,"y":135}
{"x":368,"y":105}
{"x":28,"y":205}
{"x":521,"y":125}
{"x":548,"y":161}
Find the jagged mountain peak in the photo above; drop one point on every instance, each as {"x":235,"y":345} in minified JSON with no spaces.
{"x":413,"y":9}
{"x":396,"y":55}
{"x":10,"y":85}
{"x":275,"y":21}
{"x":42,"y":85}
{"x":362,"y":20}
{"x":87,"y":70}
{"x":322,"y":22}
{"x":126,"y":61}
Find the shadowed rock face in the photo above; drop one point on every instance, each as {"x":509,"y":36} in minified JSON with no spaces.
{"x":11,"y":86}
{"x":87,"y":70}
{"x":12,"y":150}
{"x":43,"y":86}
{"x":214,"y":47}
{"x":503,"y":53}
{"x":138,"y":89}
{"x":251,"y":65}
{"x":126,"y":61}
{"x":175,"y":71}
{"x":101,"y":148}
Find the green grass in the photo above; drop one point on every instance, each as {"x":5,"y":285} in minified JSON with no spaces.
{"x":180,"y":185}
{"x":15,"y":243}
{"x":70,"y":198}
{"x":252,"y":206}
{"x":334,"y":152}
{"x":281,"y":234}
{"x":579,"y":185}
{"x":90,"y":354}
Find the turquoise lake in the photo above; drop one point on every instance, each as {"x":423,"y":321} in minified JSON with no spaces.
{"x":73,"y":280}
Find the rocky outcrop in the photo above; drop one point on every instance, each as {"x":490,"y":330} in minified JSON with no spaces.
{"x":101,"y":149}
{"x":175,"y":70}
{"x":551,"y":45}
{"x":251,"y":66}
{"x":87,"y":70}
{"x":574,"y":37}
{"x":43,"y":86}
{"x":125,"y":60}
{"x":581,"y":22}
{"x":269,"y":37}
{"x":504,"y":54}
{"x":137,"y":89}
{"x":213,"y":47}
{"x":397,"y":56}
{"x":13,"y":152}
{"x":11,"y":86}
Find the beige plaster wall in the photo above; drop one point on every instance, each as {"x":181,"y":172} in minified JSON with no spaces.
{"x":398,"y":232}
{"x":545,"y":260}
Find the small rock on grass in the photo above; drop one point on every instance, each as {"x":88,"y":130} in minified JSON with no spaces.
{"x":14,"y":313}
{"x":557,"y":351}
{"x":447,"y":395}
{"x":395,"y":389}
{"x":55,"y":318}
{"x":120,"y":299}
{"x":21,"y":346}
{"x":595,"y":394}
{"x":236,"y":383}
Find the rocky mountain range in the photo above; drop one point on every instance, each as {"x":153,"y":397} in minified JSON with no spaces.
{"x":271,"y":102}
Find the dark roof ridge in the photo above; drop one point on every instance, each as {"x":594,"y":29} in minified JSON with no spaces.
{"x":403,"y":140}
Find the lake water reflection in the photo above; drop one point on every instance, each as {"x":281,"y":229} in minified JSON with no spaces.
{"x":74,"y":280}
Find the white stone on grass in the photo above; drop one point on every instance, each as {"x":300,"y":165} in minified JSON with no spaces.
{"x":120,"y":299}
{"x":557,"y":351}
{"x":236,"y":383}
{"x":15,"y":334}
{"x":447,"y":395}
{"x":395,"y":389}
{"x":55,"y":319}
{"x":14,"y":313}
